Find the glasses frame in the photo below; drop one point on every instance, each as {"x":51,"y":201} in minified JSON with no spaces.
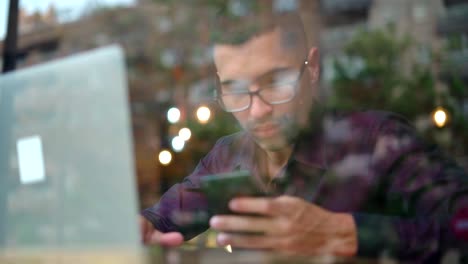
{"x":218,"y":94}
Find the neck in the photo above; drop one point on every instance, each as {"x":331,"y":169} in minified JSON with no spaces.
{"x":277,"y":159}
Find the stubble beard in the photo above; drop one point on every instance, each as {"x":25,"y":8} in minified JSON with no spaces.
{"x":286,"y":136}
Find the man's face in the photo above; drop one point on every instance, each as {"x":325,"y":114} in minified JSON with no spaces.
{"x":254,"y":62}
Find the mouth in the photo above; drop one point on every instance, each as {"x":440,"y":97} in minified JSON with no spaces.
{"x":266,"y":131}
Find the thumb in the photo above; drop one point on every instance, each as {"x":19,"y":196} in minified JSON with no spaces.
{"x":171,"y":239}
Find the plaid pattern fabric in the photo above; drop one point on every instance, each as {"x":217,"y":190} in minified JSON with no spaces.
{"x":401,"y":191}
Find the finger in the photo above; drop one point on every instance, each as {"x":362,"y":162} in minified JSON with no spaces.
{"x":246,"y":241}
{"x":171,"y":239}
{"x":255,"y":224}
{"x":249,"y":205}
{"x":283,"y":205}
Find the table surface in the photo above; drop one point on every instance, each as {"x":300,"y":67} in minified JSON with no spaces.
{"x":162,"y":255}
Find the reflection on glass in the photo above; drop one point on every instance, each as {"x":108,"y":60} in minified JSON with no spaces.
{"x":345,"y":153}
{"x":4,"y":5}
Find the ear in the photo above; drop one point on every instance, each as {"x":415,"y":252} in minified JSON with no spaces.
{"x":313,"y":66}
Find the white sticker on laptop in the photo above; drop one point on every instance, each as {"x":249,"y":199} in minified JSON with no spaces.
{"x":30,"y":159}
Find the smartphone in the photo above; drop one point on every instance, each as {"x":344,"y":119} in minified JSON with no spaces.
{"x":219,"y":189}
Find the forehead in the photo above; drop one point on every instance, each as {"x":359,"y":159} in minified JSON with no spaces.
{"x":253,"y":58}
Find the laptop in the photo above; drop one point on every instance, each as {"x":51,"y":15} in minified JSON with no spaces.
{"x":68,"y":177}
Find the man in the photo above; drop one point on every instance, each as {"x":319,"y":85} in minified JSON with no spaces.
{"x":345,"y":184}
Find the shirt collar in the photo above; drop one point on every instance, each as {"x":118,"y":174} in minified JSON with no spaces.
{"x":309,"y":151}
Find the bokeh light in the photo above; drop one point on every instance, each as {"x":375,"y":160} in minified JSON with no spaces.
{"x":185,"y":133}
{"x":440,"y":117}
{"x":228,"y":248}
{"x":178,"y":143}
{"x":165,"y":157}
{"x":203,"y":114}
{"x":173,"y":115}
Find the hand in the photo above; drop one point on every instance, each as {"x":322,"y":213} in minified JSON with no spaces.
{"x":287,"y":224}
{"x":151,"y":236}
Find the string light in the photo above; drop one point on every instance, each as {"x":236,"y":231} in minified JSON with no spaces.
{"x":165,"y":157}
{"x":440,"y":116}
{"x":173,"y":115}
{"x":185,"y":133}
{"x":178,"y":144}
{"x":203,"y":114}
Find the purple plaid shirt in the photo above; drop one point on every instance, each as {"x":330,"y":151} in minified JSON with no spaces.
{"x":401,"y":192}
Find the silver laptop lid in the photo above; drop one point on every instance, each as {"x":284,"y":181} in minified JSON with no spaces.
{"x":70,"y":180}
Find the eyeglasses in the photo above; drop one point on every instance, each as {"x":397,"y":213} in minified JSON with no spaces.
{"x":277,"y":87}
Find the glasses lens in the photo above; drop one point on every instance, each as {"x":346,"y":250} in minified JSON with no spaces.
{"x":278,"y":94}
{"x":235,"y":101}
{"x":277,"y":88}
{"x":281,"y":89}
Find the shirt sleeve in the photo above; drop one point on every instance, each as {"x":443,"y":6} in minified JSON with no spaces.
{"x":424,"y":191}
{"x":181,"y":209}
{"x":184,"y":209}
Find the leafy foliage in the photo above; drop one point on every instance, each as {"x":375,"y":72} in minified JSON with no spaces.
{"x":381,"y":71}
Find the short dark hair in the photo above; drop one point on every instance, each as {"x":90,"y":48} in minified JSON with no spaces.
{"x":289,"y":25}
{"x":228,"y":30}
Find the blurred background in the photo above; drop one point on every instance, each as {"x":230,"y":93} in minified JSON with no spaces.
{"x":406,"y":56}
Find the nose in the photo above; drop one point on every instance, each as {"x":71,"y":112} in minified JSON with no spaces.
{"x":259,"y":108}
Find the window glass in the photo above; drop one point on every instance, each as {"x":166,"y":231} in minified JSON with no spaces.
{"x":3,"y":18}
{"x":379,"y":108}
